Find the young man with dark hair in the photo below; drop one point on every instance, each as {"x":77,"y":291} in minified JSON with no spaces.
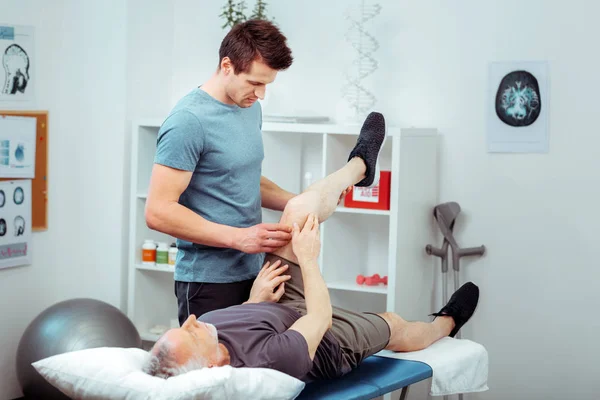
{"x":206,"y":187}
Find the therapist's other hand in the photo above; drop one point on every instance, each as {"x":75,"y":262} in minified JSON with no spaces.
{"x":269,"y":285}
{"x":262,"y":238}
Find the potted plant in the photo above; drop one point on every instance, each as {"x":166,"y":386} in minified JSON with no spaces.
{"x":235,"y":12}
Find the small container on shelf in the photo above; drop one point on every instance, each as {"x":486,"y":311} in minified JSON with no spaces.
{"x":375,"y":198}
{"x":149,"y":252}
{"x":162,"y":255}
{"x":172,"y":254}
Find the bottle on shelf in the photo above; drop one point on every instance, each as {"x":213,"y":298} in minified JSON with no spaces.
{"x":307,"y":180}
{"x":172,"y":254}
{"x":162,"y":255}
{"x":149,"y":252}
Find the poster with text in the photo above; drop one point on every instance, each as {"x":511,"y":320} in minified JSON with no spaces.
{"x":517,"y":105}
{"x":17,"y":147}
{"x":18,"y":63}
{"x":15,"y":223}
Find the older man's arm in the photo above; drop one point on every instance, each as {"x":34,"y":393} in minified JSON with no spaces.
{"x":318,"y":318}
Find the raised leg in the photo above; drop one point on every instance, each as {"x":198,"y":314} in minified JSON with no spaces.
{"x":321,"y":198}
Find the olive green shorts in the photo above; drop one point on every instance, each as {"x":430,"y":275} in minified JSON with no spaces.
{"x":359,"y":334}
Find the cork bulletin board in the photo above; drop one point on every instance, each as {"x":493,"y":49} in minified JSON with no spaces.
{"x":39,"y":185}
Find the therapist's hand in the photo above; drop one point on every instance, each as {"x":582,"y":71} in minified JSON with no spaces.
{"x":269,"y":285}
{"x":262,"y":238}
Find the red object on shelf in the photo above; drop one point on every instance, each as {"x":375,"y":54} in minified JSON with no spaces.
{"x":376,"y":198}
{"x":372,"y":280}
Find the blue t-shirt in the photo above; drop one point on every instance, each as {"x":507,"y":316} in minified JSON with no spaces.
{"x":222,"y":144}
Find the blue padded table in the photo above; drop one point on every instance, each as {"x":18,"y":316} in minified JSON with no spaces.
{"x":374,"y":377}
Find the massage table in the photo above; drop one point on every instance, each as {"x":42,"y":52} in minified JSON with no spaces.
{"x":374,"y":377}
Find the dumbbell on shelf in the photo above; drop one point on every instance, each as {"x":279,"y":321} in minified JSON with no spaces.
{"x":372,"y":280}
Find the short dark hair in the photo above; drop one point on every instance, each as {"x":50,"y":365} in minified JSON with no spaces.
{"x":256,"y":39}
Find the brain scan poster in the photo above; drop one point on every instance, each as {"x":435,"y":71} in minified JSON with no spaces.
{"x":15,"y":223}
{"x":517,"y":102}
{"x":17,"y":147}
{"x":18,"y":62}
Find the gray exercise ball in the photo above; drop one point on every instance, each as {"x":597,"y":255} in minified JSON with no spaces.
{"x":67,"y":326}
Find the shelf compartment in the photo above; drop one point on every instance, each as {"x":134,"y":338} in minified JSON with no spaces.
{"x":144,"y":156}
{"x":154,"y":300}
{"x":354,"y":244}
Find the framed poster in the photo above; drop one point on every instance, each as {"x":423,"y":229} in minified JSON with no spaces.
{"x":517,"y":104}
{"x":18,"y":63}
{"x":39,"y":184}
{"x":15,"y":223}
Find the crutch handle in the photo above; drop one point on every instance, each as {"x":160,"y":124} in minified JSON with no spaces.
{"x":435,"y":251}
{"x":472,"y":251}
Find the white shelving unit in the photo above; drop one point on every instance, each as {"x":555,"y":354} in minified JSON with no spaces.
{"x":354,"y":241}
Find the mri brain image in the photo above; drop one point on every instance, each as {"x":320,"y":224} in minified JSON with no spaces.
{"x":19,"y":226}
{"x":20,"y":152}
{"x":3,"y":227}
{"x":16,"y":69}
{"x":18,"y":195}
{"x":2,"y":198}
{"x":518,"y":99}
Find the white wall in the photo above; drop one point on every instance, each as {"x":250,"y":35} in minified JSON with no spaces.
{"x":81,"y":81}
{"x":534,"y":213}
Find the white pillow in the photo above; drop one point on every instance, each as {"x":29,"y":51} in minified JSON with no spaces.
{"x":116,"y":373}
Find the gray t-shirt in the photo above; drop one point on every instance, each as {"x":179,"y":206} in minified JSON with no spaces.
{"x":257,"y":335}
{"x":222,"y":144}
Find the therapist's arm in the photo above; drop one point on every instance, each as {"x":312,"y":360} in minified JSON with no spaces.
{"x":164,"y":214}
{"x":272,"y":196}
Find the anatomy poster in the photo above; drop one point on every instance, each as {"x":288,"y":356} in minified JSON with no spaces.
{"x":18,"y":62}
{"x":517,"y":102}
{"x":15,"y":223}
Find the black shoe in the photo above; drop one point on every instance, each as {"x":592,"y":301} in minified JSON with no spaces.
{"x":461,"y":306}
{"x":369,"y":144}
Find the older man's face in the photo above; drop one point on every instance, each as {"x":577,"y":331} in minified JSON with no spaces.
{"x":195,"y":341}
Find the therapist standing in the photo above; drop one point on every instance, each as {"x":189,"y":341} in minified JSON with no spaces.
{"x":206,"y":187}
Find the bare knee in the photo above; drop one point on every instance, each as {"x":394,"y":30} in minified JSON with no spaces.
{"x":400,"y":338}
{"x":298,"y":208}
{"x":394,"y":321}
